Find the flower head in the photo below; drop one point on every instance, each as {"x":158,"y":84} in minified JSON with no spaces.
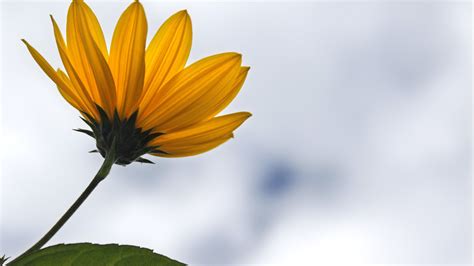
{"x":140,"y":99}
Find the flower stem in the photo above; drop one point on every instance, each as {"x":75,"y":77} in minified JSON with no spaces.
{"x":101,"y":175}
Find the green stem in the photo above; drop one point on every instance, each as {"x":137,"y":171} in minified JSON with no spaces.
{"x":101,"y":174}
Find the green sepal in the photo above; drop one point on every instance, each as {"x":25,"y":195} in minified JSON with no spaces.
{"x":152,"y":136}
{"x":131,"y":141}
{"x":85,"y":131}
{"x":159,"y":152}
{"x":143,"y":160}
{"x":88,"y":122}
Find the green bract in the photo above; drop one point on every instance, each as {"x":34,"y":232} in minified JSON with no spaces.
{"x":130,"y":141}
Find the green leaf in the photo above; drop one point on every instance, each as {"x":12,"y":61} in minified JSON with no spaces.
{"x":95,"y":255}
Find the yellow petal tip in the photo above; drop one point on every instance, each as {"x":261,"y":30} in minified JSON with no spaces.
{"x":244,"y":115}
{"x":182,"y":14}
{"x":235,"y":56}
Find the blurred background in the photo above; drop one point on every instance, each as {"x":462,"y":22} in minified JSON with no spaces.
{"x":358,"y":151}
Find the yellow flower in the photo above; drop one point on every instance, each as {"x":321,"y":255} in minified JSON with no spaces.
{"x":139,"y":99}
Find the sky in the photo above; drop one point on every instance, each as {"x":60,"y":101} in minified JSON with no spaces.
{"x":358,"y":150}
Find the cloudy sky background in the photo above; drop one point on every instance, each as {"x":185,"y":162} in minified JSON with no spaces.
{"x":359,"y":150}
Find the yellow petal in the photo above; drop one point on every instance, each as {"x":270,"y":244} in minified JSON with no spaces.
{"x":95,"y":29}
{"x":232,"y":91}
{"x":77,"y":85}
{"x":64,"y":78}
{"x":182,"y":101}
{"x":77,"y":54}
{"x":166,"y":54}
{"x":52,"y":74}
{"x":184,"y":151}
{"x":100,"y":69}
{"x":67,"y":93}
{"x":63,"y":86}
{"x":127,"y":57}
{"x":200,"y":136}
